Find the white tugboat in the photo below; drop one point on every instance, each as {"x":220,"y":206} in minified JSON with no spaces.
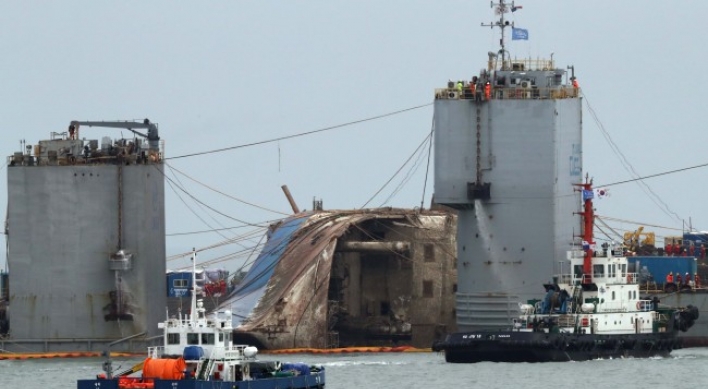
{"x":595,"y":311}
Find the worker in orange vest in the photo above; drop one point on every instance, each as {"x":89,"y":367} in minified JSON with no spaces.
{"x":670,"y":278}
{"x":487,"y":91}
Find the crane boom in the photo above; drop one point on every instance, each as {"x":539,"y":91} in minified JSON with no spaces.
{"x":152,"y":132}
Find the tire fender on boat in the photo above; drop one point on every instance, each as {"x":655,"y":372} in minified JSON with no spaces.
{"x":560,"y":344}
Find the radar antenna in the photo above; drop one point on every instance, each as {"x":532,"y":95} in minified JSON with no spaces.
{"x":500,"y":9}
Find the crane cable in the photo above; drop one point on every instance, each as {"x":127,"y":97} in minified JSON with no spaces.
{"x":303,"y":133}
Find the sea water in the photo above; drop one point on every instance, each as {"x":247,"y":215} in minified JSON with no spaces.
{"x":686,"y":368}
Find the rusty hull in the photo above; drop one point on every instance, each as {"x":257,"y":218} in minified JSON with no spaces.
{"x":354,"y":278}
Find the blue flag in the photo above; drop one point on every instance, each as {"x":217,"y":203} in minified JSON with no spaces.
{"x":519,"y":34}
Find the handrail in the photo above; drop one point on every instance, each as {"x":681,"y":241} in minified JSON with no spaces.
{"x":527,"y":64}
{"x":509,"y":93}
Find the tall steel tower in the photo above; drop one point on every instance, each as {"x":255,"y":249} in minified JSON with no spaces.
{"x":508,"y":150}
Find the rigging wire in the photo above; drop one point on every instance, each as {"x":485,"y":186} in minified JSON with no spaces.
{"x":397,"y":171}
{"x":207,"y":231}
{"x":656,"y":175}
{"x":192,"y":210}
{"x":172,"y":186}
{"x":407,"y":177}
{"x":628,"y":166}
{"x":427,"y":167}
{"x":600,"y":220}
{"x":639,"y":223}
{"x":245,"y":236}
{"x":201,"y":202}
{"x":303,"y":133}
{"x":224,"y":194}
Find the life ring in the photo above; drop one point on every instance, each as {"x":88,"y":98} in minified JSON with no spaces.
{"x":639,"y":306}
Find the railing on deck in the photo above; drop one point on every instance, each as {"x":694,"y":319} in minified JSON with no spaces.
{"x":508,"y":93}
{"x":521,"y":65}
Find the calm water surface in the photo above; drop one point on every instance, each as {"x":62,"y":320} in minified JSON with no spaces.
{"x":686,"y":368}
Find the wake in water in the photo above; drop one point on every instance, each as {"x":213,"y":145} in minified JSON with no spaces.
{"x":363,"y":363}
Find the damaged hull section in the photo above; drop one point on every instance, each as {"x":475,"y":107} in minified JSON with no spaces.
{"x":329,"y":279}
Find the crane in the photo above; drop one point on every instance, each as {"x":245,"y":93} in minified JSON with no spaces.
{"x":152,"y":134}
{"x":642,"y":246}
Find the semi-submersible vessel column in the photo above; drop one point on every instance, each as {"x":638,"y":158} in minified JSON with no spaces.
{"x":508,"y":150}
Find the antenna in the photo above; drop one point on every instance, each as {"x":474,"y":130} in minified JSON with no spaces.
{"x":193,"y":307}
{"x":500,"y":9}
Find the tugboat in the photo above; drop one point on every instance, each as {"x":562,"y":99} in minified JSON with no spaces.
{"x":198,"y":352}
{"x":594,"y":312}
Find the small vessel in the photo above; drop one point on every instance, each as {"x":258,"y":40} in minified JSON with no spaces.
{"x":595,"y":311}
{"x":198,"y":352}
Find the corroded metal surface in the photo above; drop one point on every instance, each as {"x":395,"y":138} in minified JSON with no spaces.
{"x":394,"y":280}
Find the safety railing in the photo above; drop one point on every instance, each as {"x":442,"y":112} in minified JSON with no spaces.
{"x":515,"y":93}
{"x":521,"y":65}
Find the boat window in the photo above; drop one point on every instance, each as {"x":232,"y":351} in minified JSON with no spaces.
{"x":221,"y":337}
{"x":624,"y":270}
{"x":179,"y":283}
{"x":613,"y":294}
{"x":613,"y":270}
{"x":598,"y":270}
{"x":635,"y":294}
{"x":192,"y":338}
{"x":629,"y":295}
{"x":578,"y":271}
{"x":207,"y":338}
{"x":172,"y":338}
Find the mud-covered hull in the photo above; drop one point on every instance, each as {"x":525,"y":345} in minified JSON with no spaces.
{"x":513,"y":346}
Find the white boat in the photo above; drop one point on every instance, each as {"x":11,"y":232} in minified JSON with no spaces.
{"x":198,"y":351}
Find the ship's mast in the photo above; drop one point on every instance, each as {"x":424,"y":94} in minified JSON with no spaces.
{"x":501,"y":8}
{"x":588,"y":215}
{"x":193,"y":313}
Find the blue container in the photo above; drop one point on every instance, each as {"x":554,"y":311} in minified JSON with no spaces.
{"x":659,"y":267}
{"x":192,"y":353}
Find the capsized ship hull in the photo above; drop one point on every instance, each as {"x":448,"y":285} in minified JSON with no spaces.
{"x":328,"y":279}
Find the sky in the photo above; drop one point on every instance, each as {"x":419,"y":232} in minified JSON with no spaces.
{"x":220,"y":74}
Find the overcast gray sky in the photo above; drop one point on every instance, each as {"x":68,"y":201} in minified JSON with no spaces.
{"x":224,"y":73}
